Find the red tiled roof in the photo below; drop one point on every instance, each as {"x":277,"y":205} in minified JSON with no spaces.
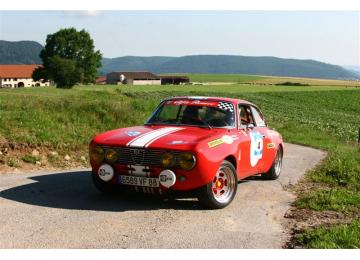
{"x":17,"y":71}
{"x":100,"y":79}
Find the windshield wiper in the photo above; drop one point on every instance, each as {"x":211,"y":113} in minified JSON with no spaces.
{"x":205,"y":123}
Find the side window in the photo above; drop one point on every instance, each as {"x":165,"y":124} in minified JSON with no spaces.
{"x":245,"y":116}
{"x":258,"y":117}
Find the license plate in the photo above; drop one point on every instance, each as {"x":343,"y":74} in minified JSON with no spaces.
{"x":139,"y":181}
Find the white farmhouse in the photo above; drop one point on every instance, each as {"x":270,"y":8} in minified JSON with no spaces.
{"x":18,"y":76}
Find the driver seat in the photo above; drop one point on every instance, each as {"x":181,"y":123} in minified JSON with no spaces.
{"x":191,"y":113}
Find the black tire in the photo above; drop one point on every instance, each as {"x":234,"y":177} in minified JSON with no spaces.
{"x":275,"y":169}
{"x":206,"y":194}
{"x":104,"y":187}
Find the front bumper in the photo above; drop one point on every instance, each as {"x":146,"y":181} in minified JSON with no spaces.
{"x":185,"y":180}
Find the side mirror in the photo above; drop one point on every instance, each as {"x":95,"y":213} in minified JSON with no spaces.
{"x":251,"y":126}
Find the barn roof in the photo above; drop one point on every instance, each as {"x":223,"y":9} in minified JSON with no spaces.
{"x":17,"y":71}
{"x":174,"y":77}
{"x":136,"y":74}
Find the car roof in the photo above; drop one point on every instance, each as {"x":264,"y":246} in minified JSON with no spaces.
{"x":225,"y":99}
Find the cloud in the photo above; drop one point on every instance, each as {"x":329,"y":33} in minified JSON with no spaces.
{"x":83,"y":13}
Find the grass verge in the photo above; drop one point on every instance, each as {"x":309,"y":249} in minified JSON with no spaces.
{"x":338,"y":236}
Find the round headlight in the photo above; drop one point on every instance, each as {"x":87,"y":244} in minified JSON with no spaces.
{"x":97,"y":153}
{"x":167,"y":160}
{"x":187,"y":161}
{"x":111,"y":155}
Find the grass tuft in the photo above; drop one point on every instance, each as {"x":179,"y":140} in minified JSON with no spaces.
{"x":339,"y":236}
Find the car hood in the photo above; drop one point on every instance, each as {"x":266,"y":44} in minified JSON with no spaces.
{"x":159,"y":137}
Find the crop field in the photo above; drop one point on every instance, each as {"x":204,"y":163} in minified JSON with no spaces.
{"x":236,"y":78}
{"x":326,"y":117}
{"x":267,"y":80}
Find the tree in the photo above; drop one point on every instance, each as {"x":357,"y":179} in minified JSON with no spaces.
{"x":69,"y":58}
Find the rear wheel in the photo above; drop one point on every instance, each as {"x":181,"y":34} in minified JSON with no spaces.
{"x":221,"y":190}
{"x":275,"y":169}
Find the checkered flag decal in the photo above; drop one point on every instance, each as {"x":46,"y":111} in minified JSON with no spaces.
{"x":226,"y":106}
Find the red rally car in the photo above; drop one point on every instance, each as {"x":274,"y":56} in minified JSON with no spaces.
{"x":201,"y":144}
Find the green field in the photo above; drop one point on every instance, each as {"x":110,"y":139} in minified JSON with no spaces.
{"x":325,"y":117}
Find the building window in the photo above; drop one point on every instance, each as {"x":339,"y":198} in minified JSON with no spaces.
{"x":15,"y":79}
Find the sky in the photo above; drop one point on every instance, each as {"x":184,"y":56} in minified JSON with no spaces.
{"x":329,"y":36}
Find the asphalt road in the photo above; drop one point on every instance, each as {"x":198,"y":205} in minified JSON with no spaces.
{"x":63,"y":210}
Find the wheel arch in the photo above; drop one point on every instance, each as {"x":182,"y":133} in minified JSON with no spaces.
{"x":232,"y":160}
{"x":282,"y":148}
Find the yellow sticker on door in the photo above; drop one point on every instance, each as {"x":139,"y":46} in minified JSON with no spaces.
{"x":270,"y":145}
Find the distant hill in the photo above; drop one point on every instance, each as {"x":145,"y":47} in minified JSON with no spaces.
{"x":27,"y":52}
{"x":132,"y":63}
{"x":22,"y":52}
{"x":229,"y":64}
{"x":353,"y":68}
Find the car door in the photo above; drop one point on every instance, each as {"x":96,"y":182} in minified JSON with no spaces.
{"x":246,"y":161}
{"x":265,"y":156}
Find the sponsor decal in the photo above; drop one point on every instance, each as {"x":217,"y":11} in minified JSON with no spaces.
{"x":167,"y":178}
{"x":270,"y":145}
{"x":106,"y":172}
{"x":132,"y":133}
{"x":190,"y":102}
{"x":146,"y":139}
{"x":228,"y":139}
{"x":256,"y":148}
{"x":215,"y":142}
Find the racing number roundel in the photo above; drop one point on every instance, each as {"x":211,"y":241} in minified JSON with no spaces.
{"x":256,"y":148}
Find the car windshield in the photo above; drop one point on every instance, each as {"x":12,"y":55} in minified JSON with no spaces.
{"x":194,"y":112}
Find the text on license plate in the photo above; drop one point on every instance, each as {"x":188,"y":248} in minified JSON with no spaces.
{"x":139,"y":181}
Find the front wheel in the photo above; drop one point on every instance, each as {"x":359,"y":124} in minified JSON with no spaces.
{"x":221,"y":190}
{"x":275,"y":169}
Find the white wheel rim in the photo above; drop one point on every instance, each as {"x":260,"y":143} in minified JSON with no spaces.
{"x":223,"y":185}
{"x":278,"y":162}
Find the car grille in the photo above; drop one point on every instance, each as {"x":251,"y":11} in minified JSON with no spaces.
{"x":140,"y":156}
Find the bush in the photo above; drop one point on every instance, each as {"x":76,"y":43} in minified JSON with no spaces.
{"x":289,"y":83}
{"x":30,"y":158}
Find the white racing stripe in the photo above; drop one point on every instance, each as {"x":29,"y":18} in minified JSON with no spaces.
{"x":140,"y":136}
{"x":146,"y":139}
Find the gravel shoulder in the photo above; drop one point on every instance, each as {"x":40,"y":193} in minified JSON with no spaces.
{"x":63,"y":210}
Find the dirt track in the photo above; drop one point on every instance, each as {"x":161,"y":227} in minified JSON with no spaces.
{"x":63,"y":210}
